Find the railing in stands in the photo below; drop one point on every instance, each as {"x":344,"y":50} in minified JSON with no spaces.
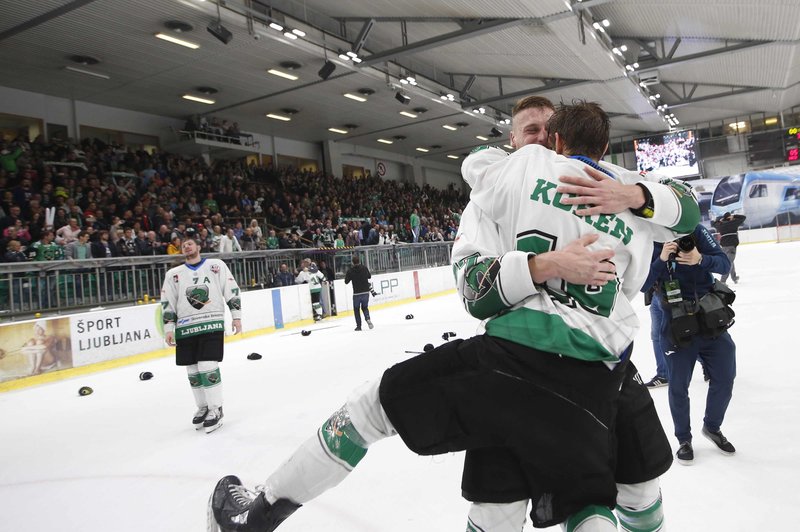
{"x":59,"y":287}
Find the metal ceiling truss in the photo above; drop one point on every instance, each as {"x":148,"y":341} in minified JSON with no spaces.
{"x":688,"y":90}
{"x":663,"y":58}
{"x":45,"y":17}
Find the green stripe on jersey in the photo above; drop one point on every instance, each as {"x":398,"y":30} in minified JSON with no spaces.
{"x":547,"y":332}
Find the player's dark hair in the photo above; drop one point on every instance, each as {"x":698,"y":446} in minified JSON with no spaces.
{"x":356,"y":260}
{"x":583,"y":127}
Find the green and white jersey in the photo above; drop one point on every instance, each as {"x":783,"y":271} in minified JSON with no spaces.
{"x":515,"y":212}
{"x":194,"y":296}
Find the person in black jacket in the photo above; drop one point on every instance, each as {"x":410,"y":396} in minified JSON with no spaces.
{"x":360,"y":276}
{"x":728,"y":227}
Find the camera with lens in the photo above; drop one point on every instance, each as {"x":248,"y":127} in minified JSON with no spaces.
{"x":685,"y":244}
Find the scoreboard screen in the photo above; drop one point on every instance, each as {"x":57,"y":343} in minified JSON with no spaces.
{"x":792,"y":142}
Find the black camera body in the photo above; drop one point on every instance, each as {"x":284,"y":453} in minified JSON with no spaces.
{"x":685,"y":244}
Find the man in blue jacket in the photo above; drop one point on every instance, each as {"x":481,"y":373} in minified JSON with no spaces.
{"x":681,"y":275}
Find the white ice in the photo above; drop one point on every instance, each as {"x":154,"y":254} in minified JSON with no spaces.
{"x":126,"y":458}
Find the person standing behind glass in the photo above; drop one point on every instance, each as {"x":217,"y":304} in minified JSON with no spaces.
{"x":681,"y":275}
{"x":728,"y":227}
{"x":360,"y":276}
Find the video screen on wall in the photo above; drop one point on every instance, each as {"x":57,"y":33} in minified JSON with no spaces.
{"x":669,"y":154}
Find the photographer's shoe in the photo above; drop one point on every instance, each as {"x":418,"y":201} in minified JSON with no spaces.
{"x":369,"y":323}
{"x":720,"y":441}
{"x":685,"y":453}
{"x":657,"y":382}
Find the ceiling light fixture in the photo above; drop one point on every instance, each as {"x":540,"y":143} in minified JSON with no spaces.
{"x":481,"y":137}
{"x":423,"y":150}
{"x":452,"y":156}
{"x":87,"y":72}
{"x":290,"y":35}
{"x":508,"y":146}
{"x":451,"y":128}
{"x":409,"y":115}
{"x":385,"y":141}
{"x":275,"y":26}
{"x":275,"y":116}
{"x":281,"y":74}
{"x":175,"y":40}
{"x":337,"y":130}
{"x":299,"y":33}
{"x":354,"y":97}
{"x":198,"y":99}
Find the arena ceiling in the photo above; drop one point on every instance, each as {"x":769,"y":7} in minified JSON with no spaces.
{"x":707,"y":60}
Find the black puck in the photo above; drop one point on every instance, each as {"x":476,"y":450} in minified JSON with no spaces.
{"x":145,"y":376}
{"x":428,"y":347}
{"x":305,"y":332}
{"x":84,"y":390}
{"x":409,"y":316}
{"x":253,"y":356}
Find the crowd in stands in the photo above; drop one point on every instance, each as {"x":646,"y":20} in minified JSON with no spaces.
{"x":94,"y":200}
{"x":215,"y":129}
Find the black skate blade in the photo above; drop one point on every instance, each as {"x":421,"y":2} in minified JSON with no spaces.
{"x":214,"y":427}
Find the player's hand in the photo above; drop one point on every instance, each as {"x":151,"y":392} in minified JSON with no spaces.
{"x":170,"y":338}
{"x":668,"y":249}
{"x":576,"y":264}
{"x":599,"y":193}
{"x":237,"y":326}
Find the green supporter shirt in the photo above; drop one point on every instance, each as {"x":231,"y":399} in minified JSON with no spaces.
{"x":211,"y":205}
{"x":272,"y":242}
{"x":51,"y":251}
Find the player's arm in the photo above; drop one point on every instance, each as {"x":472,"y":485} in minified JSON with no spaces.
{"x":232,"y":296}
{"x":490,"y":280}
{"x":665,"y":203}
{"x":169,"y":307}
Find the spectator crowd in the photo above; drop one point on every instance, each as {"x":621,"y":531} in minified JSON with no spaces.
{"x":94,"y":200}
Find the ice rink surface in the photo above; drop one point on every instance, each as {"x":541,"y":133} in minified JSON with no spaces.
{"x":126,"y":458}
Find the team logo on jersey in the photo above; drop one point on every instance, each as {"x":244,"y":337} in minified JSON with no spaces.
{"x":215,"y":268}
{"x":175,"y":278}
{"x":198,"y":296}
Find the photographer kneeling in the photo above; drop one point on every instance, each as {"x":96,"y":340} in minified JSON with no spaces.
{"x":697,"y":316}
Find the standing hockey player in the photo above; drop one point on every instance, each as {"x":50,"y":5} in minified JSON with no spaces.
{"x":544,"y":381}
{"x":193,"y":301}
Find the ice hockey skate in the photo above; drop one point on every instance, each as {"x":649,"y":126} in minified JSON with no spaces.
{"x":232,"y":507}
{"x":199,"y":417}
{"x":213,"y":420}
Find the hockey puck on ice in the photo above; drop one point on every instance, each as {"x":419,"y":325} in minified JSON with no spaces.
{"x":145,"y":376}
{"x":305,"y":332}
{"x":409,"y":316}
{"x":253,"y":356}
{"x":428,"y":347}
{"x":84,"y":390}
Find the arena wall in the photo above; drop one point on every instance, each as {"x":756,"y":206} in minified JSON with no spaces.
{"x":53,"y":348}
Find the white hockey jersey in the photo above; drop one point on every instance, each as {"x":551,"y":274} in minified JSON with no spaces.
{"x":193,"y":298}
{"x":514,"y":212}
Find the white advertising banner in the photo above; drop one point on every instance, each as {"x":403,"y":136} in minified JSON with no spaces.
{"x":110,"y":334}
